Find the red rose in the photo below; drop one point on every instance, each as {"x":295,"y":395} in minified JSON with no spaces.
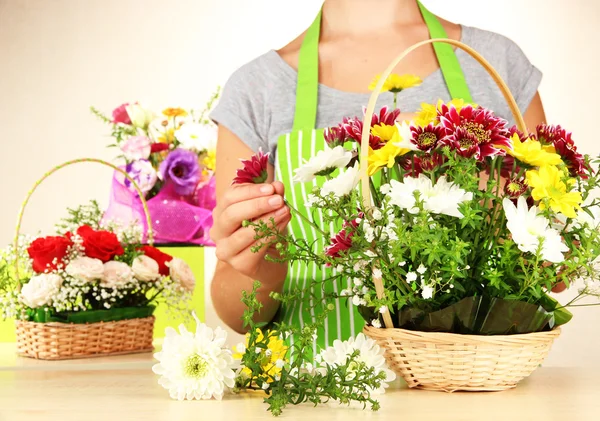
{"x":48,"y":252}
{"x":101,"y":245}
{"x":161,"y":258}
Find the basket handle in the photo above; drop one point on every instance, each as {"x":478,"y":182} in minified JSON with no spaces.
{"x":364,"y":151}
{"x":66,"y":164}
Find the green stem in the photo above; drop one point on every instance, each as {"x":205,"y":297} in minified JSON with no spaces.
{"x":304,"y":218}
{"x":395,"y":100}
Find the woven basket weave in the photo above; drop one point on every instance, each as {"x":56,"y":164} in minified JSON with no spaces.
{"x":446,"y":361}
{"x":63,"y":341}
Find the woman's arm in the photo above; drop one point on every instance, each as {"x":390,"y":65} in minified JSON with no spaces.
{"x":237,"y":265}
{"x":535,"y":114}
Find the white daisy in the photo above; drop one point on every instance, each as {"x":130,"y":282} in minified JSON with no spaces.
{"x":195,"y":365}
{"x":421,"y":269}
{"x":411,"y":277}
{"x":343,"y":184}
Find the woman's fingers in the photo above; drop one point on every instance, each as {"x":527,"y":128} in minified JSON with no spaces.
{"x":243,"y":238}
{"x":232,"y":217}
{"x":243,"y":192}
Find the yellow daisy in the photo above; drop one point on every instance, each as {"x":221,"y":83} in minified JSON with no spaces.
{"x":552,"y":187}
{"x":396,"y":83}
{"x":272,"y":361}
{"x":384,"y":131}
{"x":532,"y":152}
{"x":386,"y":156}
{"x":209,"y":161}
{"x":428,"y":112}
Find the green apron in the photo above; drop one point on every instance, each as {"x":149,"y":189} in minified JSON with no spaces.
{"x":293,"y":150}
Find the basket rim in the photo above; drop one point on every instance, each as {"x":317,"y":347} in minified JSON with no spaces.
{"x":60,"y":324}
{"x":555,"y":332}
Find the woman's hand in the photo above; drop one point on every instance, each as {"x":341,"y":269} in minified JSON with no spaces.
{"x":233,"y":242}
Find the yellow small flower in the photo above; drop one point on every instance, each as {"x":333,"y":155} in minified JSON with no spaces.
{"x":277,"y":351}
{"x":396,"y":83}
{"x":384,"y":132}
{"x":552,"y":186}
{"x":428,"y":112}
{"x":175,"y":112}
{"x":168,"y":136}
{"x":386,"y":156}
{"x":532,"y":152}
{"x":209,"y":161}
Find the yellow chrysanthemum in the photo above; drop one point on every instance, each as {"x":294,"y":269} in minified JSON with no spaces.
{"x":396,"y":83}
{"x":428,"y":112}
{"x":210,"y":160}
{"x":175,"y":112}
{"x":552,"y":187}
{"x":270,"y":362}
{"x":386,"y":156}
{"x":384,"y":131}
{"x":532,"y":152}
{"x":168,"y":136}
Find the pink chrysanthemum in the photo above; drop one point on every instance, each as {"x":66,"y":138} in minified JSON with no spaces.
{"x":354,"y":126}
{"x":254,"y":170}
{"x":343,"y":239}
{"x":475,"y":132}
{"x":565,"y":147}
{"x":427,"y":138}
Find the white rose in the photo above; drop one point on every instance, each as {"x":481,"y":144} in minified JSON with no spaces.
{"x":40,"y":289}
{"x":145,"y":269}
{"x":116,"y":274}
{"x":139,"y":116}
{"x":182,"y":273}
{"x":85,"y":269}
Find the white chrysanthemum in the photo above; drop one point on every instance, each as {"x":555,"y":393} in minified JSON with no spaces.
{"x":370,"y":354}
{"x":343,"y":184}
{"x":195,"y":366}
{"x":323,"y":163}
{"x":197,"y":137}
{"x":529,"y":228}
{"x":441,"y":198}
{"x":405,"y":136}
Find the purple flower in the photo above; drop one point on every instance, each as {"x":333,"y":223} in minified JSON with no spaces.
{"x":182,"y":170}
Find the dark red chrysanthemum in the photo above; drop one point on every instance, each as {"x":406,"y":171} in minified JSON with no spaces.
{"x":565,"y":147}
{"x":427,"y":138}
{"x":159,"y":147}
{"x":254,"y":170}
{"x":343,"y":239}
{"x":475,"y":132}
{"x":418,"y":164}
{"x":335,"y":136}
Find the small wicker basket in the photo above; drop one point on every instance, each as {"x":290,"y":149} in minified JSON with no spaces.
{"x":63,"y":341}
{"x":447,"y":361}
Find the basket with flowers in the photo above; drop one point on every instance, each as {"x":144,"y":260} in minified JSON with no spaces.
{"x":91,"y":288}
{"x":171,"y":156}
{"x":449,"y":232}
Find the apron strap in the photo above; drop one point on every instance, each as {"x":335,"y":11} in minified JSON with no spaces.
{"x":307,"y":89}
{"x":449,"y":65}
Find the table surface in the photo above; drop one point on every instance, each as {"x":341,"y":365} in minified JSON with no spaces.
{"x":125,"y":388}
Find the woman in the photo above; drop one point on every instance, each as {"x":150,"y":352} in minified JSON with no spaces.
{"x":274,"y":102}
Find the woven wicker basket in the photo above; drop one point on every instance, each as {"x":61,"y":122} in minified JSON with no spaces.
{"x":446,"y":361}
{"x":62,"y":341}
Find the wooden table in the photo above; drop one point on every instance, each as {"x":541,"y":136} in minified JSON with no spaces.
{"x":125,"y":388}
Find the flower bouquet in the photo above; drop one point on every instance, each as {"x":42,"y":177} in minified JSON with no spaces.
{"x":171,"y":157}
{"x":90,"y":289}
{"x":460,"y":229}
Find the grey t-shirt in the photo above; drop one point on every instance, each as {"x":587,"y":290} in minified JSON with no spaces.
{"x":257,"y":102}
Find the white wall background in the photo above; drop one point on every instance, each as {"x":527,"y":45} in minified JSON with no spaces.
{"x":59,"y":57}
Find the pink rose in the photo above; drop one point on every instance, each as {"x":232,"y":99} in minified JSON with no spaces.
{"x":136,"y":147}
{"x":145,"y":269}
{"x":120,"y":115}
{"x":182,"y":274}
{"x":116,"y":275}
